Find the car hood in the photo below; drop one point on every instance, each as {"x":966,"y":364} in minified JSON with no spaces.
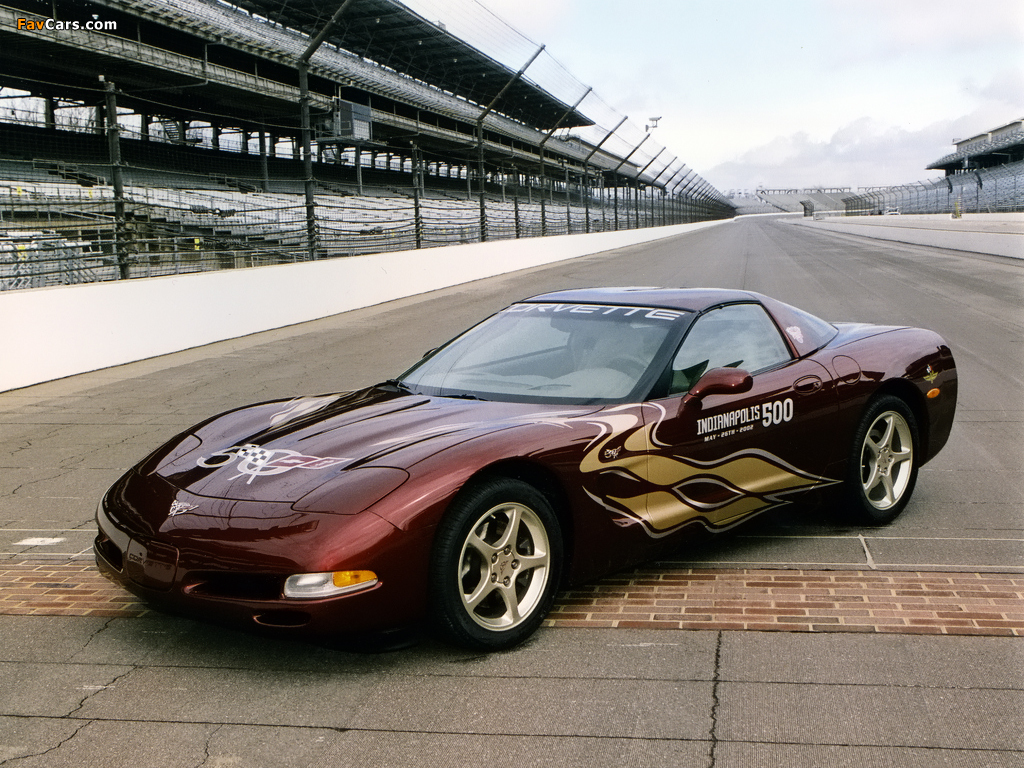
{"x":282,"y":451}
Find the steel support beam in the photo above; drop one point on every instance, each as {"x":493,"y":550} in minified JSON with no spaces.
{"x":114,"y":148}
{"x":481,"y":173}
{"x":312,"y":238}
{"x":602,"y":141}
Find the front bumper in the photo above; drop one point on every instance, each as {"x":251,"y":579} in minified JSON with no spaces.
{"x":237,"y":576}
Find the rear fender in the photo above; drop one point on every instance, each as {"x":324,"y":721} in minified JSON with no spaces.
{"x":914,"y":364}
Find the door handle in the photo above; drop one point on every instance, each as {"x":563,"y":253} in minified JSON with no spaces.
{"x":807,"y":385}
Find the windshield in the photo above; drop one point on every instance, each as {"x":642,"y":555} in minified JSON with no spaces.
{"x":550,"y":352}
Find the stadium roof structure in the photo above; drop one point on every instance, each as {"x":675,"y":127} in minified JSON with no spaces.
{"x":235,"y":64}
{"x":380,"y":31}
{"x":996,"y":147}
{"x":174,"y":71}
{"x":390,"y":34}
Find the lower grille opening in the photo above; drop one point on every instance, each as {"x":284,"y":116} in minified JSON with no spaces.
{"x":236,"y":586}
{"x":109,"y":552}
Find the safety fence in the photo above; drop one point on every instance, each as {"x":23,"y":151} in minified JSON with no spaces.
{"x":989,"y":190}
{"x":60,"y":234}
{"x":248,"y":163}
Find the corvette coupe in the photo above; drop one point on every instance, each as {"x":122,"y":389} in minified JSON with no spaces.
{"x":566,"y":436}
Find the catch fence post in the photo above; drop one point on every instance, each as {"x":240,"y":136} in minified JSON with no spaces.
{"x":114,"y":148}
{"x":417,"y":222}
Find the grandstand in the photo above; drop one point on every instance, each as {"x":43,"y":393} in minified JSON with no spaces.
{"x":984,"y":175}
{"x":1000,"y":146}
{"x":189,"y":135}
{"x":808,"y":200}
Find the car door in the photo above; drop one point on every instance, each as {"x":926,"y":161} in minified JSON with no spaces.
{"x":720,"y":454}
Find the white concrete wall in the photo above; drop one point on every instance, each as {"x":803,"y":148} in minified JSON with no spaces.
{"x":997,"y":234}
{"x":50,"y":333}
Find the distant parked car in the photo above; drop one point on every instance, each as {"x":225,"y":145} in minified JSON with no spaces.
{"x":569,"y":435}
{"x":892,"y":211}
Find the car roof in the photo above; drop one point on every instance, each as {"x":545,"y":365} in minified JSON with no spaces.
{"x":690,"y":299}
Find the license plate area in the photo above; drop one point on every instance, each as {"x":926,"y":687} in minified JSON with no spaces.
{"x":151,"y":565}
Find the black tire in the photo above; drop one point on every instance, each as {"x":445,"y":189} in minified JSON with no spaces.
{"x":883,"y":463}
{"x":495,"y":565}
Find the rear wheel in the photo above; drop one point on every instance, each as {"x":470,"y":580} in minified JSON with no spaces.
{"x":495,"y":565}
{"x":883,"y":462}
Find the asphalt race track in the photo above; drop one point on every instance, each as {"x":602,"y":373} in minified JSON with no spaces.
{"x":104,"y":682}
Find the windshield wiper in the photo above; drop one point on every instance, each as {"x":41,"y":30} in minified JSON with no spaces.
{"x":398,"y":384}
{"x":464,"y":396}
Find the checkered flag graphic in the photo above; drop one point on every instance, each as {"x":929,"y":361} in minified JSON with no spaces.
{"x":255,"y":455}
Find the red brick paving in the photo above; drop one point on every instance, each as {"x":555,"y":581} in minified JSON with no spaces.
{"x":62,"y":588}
{"x":657,"y":598}
{"x":800,"y":601}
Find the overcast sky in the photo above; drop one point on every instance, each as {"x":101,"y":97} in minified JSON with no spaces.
{"x":795,"y":93}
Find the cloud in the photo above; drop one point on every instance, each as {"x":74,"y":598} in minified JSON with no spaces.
{"x":1004,"y":88}
{"x":535,"y":18}
{"x":791,"y":94}
{"x":871,"y":151}
{"x":864,"y":152}
{"x":916,"y":28}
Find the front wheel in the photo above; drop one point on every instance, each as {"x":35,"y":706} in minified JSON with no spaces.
{"x":883,"y":462}
{"x":495,"y":565}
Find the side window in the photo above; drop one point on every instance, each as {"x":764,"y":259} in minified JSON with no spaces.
{"x":736,"y":336}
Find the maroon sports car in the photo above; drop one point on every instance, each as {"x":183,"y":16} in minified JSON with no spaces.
{"x":564,"y":437}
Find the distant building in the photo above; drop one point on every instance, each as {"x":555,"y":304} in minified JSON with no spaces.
{"x":996,"y":147}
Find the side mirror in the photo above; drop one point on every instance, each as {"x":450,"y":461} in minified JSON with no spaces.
{"x":720,"y":381}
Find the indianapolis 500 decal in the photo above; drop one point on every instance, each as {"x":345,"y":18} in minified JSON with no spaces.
{"x":629,"y":471}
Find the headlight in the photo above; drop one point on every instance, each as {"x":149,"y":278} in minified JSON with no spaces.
{"x":352,"y":491}
{"x":306,"y":586}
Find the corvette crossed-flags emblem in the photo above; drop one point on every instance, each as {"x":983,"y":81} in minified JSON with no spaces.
{"x":256,"y":461}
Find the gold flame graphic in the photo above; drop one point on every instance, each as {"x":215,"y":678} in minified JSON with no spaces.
{"x":673,"y":491}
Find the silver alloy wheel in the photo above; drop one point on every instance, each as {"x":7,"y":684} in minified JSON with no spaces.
{"x":886,"y":460}
{"x":504,"y":566}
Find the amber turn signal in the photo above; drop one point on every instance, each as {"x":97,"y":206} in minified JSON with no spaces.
{"x":318,"y":585}
{"x":933,"y":393}
{"x":350,"y":578}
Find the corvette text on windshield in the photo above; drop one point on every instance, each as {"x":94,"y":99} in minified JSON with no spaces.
{"x":649,"y":313}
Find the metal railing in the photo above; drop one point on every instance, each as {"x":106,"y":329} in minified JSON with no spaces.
{"x":102,"y":189}
{"x":62,"y":233}
{"x":989,"y":190}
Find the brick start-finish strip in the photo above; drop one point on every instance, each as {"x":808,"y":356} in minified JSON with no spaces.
{"x":656,"y":598}
{"x":62,"y":588}
{"x":799,"y":601}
